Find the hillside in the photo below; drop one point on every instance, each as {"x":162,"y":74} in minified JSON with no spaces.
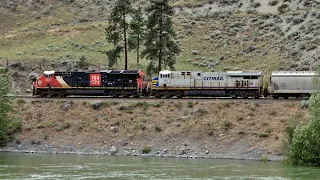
{"x":239,"y":129}
{"x":221,"y":35}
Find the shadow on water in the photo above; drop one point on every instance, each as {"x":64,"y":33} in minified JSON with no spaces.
{"x":50,"y":166}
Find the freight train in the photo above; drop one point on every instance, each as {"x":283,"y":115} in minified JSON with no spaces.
{"x":179,"y":84}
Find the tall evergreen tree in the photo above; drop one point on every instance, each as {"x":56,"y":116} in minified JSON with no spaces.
{"x":137,"y":26}
{"x":117,"y":31}
{"x":160,"y":36}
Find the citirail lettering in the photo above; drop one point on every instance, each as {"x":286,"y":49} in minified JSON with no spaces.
{"x":212,"y":78}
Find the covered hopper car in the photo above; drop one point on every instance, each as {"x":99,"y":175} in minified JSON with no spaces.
{"x":285,"y":84}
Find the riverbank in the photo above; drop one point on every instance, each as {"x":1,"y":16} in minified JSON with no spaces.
{"x":248,"y":130}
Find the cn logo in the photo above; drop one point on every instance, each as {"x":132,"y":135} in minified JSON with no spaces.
{"x":95,"y":79}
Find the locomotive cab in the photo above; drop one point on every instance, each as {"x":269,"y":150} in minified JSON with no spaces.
{"x":164,"y":78}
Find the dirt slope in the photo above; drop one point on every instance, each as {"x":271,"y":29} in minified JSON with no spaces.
{"x":223,"y":129}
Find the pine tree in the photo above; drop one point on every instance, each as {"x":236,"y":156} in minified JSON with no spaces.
{"x":160,"y":36}
{"x":137,"y":26}
{"x":117,"y":31}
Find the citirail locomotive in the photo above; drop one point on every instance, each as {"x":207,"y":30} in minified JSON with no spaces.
{"x":179,"y":84}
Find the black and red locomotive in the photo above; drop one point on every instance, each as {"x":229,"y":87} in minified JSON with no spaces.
{"x":114,"y":83}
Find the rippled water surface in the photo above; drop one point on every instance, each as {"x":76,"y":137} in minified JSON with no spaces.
{"x":31,"y":166}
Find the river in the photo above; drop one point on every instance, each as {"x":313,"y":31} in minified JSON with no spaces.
{"x":52,"y":166}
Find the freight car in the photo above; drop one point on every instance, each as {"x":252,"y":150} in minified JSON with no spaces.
{"x":285,"y":84}
{"x":107,"y":83}
{"x":209,"y":84}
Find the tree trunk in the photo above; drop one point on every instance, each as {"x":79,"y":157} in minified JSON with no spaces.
{"x":160,"y":38}
{"x":125,"y":42}
{"x":138,"y":47}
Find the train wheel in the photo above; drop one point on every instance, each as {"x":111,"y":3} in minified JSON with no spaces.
{"x":285,"y":97}
{"x":179,"y":94}
{"x":275,"y":97}
{"x":157,"y":95}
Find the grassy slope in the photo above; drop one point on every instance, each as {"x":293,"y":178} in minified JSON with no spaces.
{"x":55,"y":36}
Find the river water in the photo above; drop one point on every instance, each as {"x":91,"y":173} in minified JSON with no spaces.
{"x":50,"y":166}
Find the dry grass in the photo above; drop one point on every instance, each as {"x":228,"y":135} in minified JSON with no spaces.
{"x":118,"y":122}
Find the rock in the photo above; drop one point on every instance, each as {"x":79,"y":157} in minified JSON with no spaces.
{"x":95,"y":104}
{"x":66,"y":106}
{"x":194,"y":52}
{"x":19,"y":53}
{"x":199,"y":112}
{"x":28,"y":91}
{"x":184,"y":151}
{"x":113,"y":150}
{"x":207,"y":151}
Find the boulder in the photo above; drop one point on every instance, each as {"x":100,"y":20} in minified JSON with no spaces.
{"x":113,"y":150}
{"x":194,"y":52}
{"x":66,"y":106}
{"x":95,"y":104}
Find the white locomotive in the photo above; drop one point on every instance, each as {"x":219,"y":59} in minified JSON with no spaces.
{"x":209,"y":84}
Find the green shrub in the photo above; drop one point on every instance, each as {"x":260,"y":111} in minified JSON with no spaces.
{"x":304,"y":149}
{"x":83,"y":61}
{"x":304,"y":104}
{"x":109,"y":104}
{"x":8,"y":125}
{"x":264,"y":158}
{"x":157,"y":128}
{"x":226,"y":124}
{"x":156,"y":105}
{"x":239,"y":118}
{"x":190,"y":104}
{"x":263,"y":135}
{"x":293,"y":123}
{"x":21,"y":101}
{"x":225,"y":105}
{"x":146,"y":150}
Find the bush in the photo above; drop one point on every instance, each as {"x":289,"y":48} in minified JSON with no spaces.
{"x":8,"y":125}
{"x":146,"y":150}
{"x":157,"y":128}
{"x":304,"y":104}
{"x":83,"y":62}
{"x":264,"y":158}
{"x":226,"y":124}
{"x":273,"y":2}
{"x":304,"y":149}
{"x":190,"y":104}
{"x":156,"y":105}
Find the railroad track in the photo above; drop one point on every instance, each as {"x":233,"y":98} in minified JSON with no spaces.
{"x":147,"y":99}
